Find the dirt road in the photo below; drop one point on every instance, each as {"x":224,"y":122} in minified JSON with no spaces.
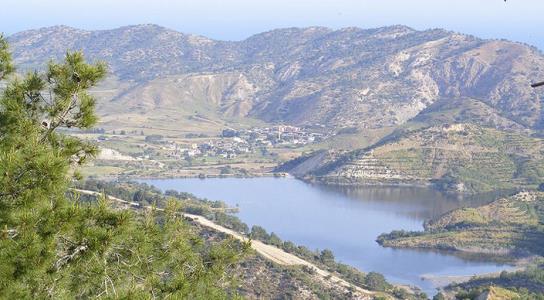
{"x":272,"y":253}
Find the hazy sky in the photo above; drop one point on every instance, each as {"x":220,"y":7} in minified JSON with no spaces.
{"x":520,"y":20}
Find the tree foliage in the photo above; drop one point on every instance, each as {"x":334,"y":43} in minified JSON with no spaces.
{"x":54,"y":246}
{"x":377,"y":282}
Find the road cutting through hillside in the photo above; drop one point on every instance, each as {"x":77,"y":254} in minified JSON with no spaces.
{"x":269,"y":252}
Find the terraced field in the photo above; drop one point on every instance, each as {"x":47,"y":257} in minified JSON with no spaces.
{"x":461,"y":157}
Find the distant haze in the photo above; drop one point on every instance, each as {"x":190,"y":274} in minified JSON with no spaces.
{"x":519,"y":20}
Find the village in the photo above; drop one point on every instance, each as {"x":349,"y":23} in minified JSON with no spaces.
{"x":232,"y":143}
{"x":241,"y":151}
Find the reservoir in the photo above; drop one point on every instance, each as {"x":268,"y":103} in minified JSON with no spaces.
{"x":346,"y":220}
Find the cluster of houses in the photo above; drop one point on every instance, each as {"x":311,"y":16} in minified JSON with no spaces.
{"x":223,"y":148}
{"x":278,"y":136}
{"x":233,"y":143}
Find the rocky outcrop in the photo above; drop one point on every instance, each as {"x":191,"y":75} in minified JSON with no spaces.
{"x":371,"y":170}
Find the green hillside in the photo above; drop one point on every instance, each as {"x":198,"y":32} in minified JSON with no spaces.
{"x":509,"y":226}
{"x":461,"y":157}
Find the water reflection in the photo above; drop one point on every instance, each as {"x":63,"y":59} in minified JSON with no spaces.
{"x":418,"y":203}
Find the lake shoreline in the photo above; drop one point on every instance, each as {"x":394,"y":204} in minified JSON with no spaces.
{"x":310,"y":180}
{"x":286,"y":205}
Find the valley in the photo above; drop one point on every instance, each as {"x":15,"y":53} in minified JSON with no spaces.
{"x":383,"y":129}
{"x":385,"y":91}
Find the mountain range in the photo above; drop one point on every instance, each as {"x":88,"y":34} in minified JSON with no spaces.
{"x":352,"y":77}
{"x":452,"y":110}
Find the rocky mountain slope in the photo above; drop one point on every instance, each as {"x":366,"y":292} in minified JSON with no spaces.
{"x":366,"y":78}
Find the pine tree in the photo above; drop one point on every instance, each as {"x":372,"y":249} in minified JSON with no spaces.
{"x":54,"y":246}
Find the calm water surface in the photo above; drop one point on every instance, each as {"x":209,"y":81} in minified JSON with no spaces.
{"x":346,"y":220}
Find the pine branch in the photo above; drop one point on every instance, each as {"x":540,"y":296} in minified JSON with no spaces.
{"x":69,"y":257}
